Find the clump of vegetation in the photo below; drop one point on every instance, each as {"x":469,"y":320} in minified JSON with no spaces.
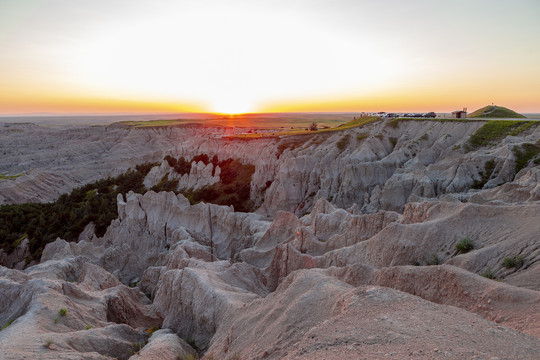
{"x":489,"y":274}
{"x":393,"y":141}
{"x":496,"y":130}
{"x":343,"y":142}
{"x":358,"y":122}
{"x":233,"y":188}
{"x":137,"y":347}
{"x":69,"y":214}
{"x":464,"y":245}
{"x":424,"y":137}
{"x":165,"y":184}
{"x":515,"y":261}
{"x":362,"y":136}
{"x":48,"y":344}
{"x":525,"y":153}
{"x":313,"y":126}
{"x":62,"y":312}
{"x":190,"y":357}
{"x":485,"y":175}
{"x":56,"y":320}
{"x":5,"y":326}
{"x":88,"y":327}
{"x":152,"y":330}
{"x":235,"y":356}
{"x":433,"y":260}
{"x":394,"y":123}
{"x":6,"y":176}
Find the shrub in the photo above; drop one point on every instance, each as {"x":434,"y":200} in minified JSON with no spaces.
{"x":515,"y":261}
{"x":489,"y":274}
{"x":464,"y":245}
{"x":152,"y":330}
{"x":62,"y":312}
{"x":362,"y":136}
{"x":343,"y":142}
{"x":88,"y":327}
{"x":489,"y":167}
{"x":433,"y":260}
{"x":524,"y":153}
{"x":166,"y":185}
{"x":202,"y":157}
{"x":48,"y":344}
{"x":313,"y":126}
{"x":190,"y":357}
{"x":137,"y":346}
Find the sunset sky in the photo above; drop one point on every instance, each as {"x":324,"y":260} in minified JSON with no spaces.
{"x":134,"y":56}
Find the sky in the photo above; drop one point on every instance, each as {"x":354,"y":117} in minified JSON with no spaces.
{"x":237,"y":56}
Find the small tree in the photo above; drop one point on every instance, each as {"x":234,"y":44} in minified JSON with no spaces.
{"x":313,"y":126}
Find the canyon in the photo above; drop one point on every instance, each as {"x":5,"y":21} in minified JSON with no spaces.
{"x":397,"y":239}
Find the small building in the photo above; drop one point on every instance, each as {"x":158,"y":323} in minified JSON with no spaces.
{"x":460,"y":114}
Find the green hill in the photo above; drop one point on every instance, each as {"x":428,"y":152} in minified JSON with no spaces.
{"x":492,"y":111}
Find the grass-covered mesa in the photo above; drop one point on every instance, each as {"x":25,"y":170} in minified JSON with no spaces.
{"x":494,"y":111}
{"x":358,"y":122}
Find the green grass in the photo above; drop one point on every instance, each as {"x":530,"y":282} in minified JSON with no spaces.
{"x":493,"y":111}
{"x":496,"y":130}
{"x":190,"y":357}
{"x":358,"y":122}
{"x":515,"y":261}
{"x":524,"y":153}
{"x":464,"y":245}
{"x":88,"y":327}
{"x":433,"y":260}
{"x":362,"y":136}
{"x":9,"y":323}
{"x":5,"y":176}
{"x":394,"y":123}
{"x":485,"y":175}
{"x":62,"y":312}
{"x":153,"y":123}
{"x":343,"y":142}
{"x":489,"y":274}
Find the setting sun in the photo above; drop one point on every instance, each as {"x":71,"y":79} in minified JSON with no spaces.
{"x":231,"y":106}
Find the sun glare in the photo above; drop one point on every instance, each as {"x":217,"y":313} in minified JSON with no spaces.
{"x":232,"y":106}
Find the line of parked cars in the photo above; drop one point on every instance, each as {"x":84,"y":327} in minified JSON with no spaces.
{"x":395,"y":115}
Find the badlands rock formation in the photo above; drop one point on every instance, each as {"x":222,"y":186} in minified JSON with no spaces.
{"x":351,"y":255}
